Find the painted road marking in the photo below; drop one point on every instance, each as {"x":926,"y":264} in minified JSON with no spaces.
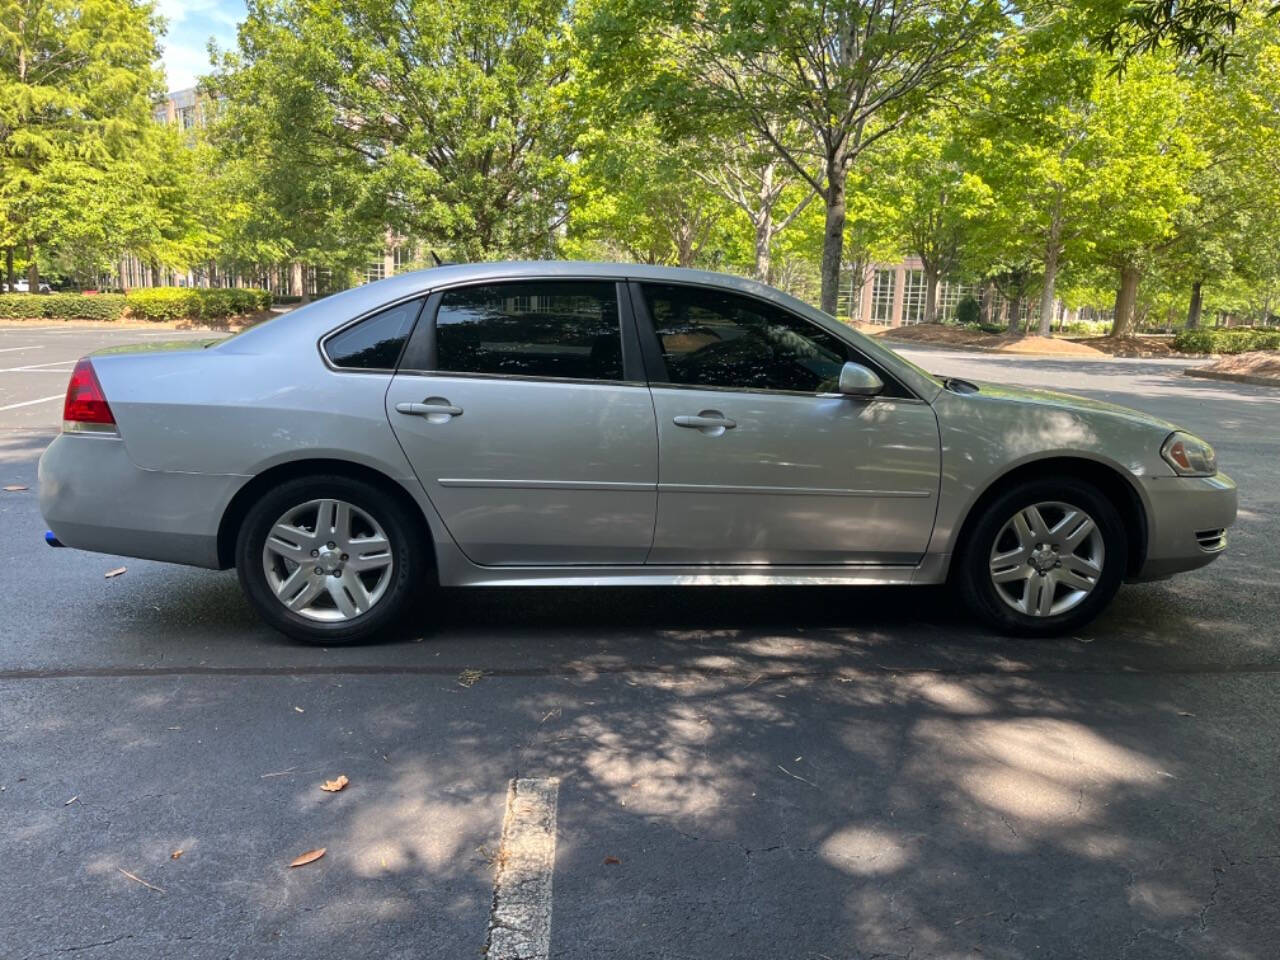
{"x":520,"y":921}
{"x":36,"y":367}
{"x":28,"y":403}
{"x":11,"y":349}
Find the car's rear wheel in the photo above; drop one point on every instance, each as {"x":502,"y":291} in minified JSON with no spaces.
{"x":329,"y":559}
{"x":1044,"y":557}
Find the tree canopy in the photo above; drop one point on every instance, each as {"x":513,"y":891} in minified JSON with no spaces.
{"x":1113,"y":155}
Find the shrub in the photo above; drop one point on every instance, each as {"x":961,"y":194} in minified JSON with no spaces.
{"x":979,"y":327}
{"x":1226,"y":340}
{"x":193,"y":303}
{"x":61,"y":306}
{"x":1085,"y":328}
{"x":968,"y":311}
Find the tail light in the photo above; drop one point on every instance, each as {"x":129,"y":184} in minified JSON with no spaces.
{"x":86,"y":409}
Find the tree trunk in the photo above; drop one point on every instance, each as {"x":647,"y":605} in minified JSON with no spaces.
{"x":1126,"y":300}
{"x":1014,"y":307}
{"x":833,"y":236}
{"x":1197,"y":304}
{"x":684,"y":247}
{"x":1046,"y":294}
{"x":930,"y":294}
{"x":8,"y":269}
{"x":33,"y":273}
{"x":764,"y":240}
{"x":305,"y":273}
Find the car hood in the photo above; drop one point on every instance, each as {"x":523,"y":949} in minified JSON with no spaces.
{"x":1066,"y":401}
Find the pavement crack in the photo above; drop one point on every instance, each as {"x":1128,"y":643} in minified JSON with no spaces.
{"x":747,"y":852}
{"x":89,"y":946}
{"x":1218,"y":874}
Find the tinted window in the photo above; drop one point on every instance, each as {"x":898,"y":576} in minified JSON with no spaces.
{"x":375,"y":342}
{"x":563,"y":328}
{"x":714,"y":339}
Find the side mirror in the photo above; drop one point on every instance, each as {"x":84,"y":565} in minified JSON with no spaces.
{"x":859,"y":381}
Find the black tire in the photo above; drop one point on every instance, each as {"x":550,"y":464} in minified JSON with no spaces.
{"x":408,"y":548}
{"x":972,"y":572}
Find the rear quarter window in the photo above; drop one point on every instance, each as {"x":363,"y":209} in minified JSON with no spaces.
{"x":376,"y":342}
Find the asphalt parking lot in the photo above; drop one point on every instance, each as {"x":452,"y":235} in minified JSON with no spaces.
{"x":742,"y":773}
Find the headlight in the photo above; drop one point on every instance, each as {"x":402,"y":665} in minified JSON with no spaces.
{"x":1189,"y":456}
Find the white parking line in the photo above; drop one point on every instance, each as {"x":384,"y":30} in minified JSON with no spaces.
{"x":27,"y":403}
{"x":11,"y":349}
{"x":30,"y":367}
{"x":520,"y":922}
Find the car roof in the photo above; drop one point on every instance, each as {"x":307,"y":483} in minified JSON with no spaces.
{"x":317,"y":319}
{"x":370,"y":296}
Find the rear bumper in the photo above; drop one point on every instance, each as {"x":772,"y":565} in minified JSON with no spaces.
{"x":94,"y":497}
{"x":1187,"y":522}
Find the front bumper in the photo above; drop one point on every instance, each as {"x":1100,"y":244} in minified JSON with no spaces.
{"x":1187,"y":521}
{"x":94,"y":497}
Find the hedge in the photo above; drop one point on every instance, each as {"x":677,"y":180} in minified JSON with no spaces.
{"x":61,"y":306}
{"x":194,"y":303}
{"x":1226,"y":340}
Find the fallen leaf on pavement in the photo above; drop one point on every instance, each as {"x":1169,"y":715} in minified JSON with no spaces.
{"x":114,"y":573}
{"x":14,"y":488}
{"x":333,"y":786}
{"x":299,"y":709}
{"x":309,"y":857}
{"x":138,"y":879}
{"x":72,"y":800}
{"x":469,"y":678}
{"x":175,"y":855}
{"x":612,"y":861}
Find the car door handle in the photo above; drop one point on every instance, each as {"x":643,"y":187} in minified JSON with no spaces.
{"x":435,"y":409}
{"x":711,"y":422}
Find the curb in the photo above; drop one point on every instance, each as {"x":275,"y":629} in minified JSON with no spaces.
{"x":1233,"y":377}
{"x":1000,"y":352}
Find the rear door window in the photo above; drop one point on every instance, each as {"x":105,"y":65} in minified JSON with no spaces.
{"x":564,"y":329}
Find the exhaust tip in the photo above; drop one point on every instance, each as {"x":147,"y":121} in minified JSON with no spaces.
{"x":51,"y":540}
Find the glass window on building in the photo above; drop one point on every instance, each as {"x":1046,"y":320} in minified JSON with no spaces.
{"x":376,"y":270}
{"x":882,"y":297}
{"x":950,"y":294}
{"x":402,"y":257}
{"x":913,"y":297}
{"x":187,"y":117}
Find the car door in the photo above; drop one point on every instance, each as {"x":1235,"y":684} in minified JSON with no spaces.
{"x":759,"y":459}
{"x":523,"y":410}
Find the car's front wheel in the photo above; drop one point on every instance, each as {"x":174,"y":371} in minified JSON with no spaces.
{"x":1044,"y":557}
{"x":329,"y":559}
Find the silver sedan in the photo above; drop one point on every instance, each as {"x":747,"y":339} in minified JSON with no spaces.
{"x":550,"y":424}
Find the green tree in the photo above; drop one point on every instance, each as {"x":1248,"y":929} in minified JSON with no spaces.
{"x":1228,"y":231}
{"x":933,"y":201}
{"x":76,"y":82}
{"x":850,"y":71}
{"x":446,"y":121}
{"x":634,"y":197}
{"x":1086,"y":166}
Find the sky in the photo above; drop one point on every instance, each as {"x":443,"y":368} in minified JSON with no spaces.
{"x":191,"y":24}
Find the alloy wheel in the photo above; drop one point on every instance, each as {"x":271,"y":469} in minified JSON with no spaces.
{"x":1047,"y":559}
{"x":327,"y":560}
